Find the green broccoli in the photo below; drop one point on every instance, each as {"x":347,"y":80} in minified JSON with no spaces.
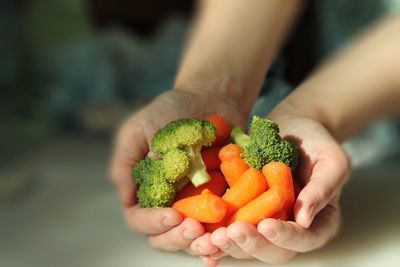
{"x":188,"y":135}
{"x":179,"y":144}
{"x":158,"y":179}
{"x":264,"y":144}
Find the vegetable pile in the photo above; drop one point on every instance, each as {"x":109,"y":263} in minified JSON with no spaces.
{"x":204,"y":177}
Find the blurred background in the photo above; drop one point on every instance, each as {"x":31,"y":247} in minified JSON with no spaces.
{"x":70,"y":71}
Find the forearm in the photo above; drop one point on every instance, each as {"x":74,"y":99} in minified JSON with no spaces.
{"x":232,"y":45}
{"x":357,"y":86}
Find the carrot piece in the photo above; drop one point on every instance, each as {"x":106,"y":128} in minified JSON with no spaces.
{"x":229,"y":152}
{"x":217,"y":185}
{"x":206,"y":207}
{"x":251,"y":184}
{"x":211,"y":159}
{"x":233,"y":169}
{"x":223,"y":129}
{"x":211,"y":227}
{"x":264,"y":206}
{"x":281,"y":215}
{"x":279,"y":178}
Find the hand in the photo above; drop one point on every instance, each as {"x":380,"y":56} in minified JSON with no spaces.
{"x":165,"y":227}
{"x":322,"y":171}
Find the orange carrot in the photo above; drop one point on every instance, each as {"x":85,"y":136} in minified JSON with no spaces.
{"x":211,"y":227}
{"x":281,"y":215}
{"x":233,"y":169}
{"x":217,"y":185}
{"x":206,"y":207}
{"x":251,"y":184}
{"x":223,"y":129}
{"x":279,"y":178}
{"x":211,"y":159}
{"x":229,"y":152}
{"x":264,"y":206}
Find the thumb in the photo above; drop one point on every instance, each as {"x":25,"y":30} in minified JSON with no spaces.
{"x":326,"y":180}
{"x":130,"y":147}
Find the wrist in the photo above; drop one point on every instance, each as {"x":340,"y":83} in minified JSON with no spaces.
{"x":223,"y":89}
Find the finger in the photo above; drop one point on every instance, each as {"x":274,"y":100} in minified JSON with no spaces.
{"x":130,"y":147}
{"x":220,"y":239}
{"x":151,"y":221}
{"x":178,"y":237}
{"x":209,"y":262}
{"x":202,"y":246}
{"x":292,"y":236}
{"x":218,"y":255}
{"x":251,"y":241}
{"x":327,"y":179}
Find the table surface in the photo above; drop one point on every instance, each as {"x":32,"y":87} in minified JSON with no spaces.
{"x":70,"y":216}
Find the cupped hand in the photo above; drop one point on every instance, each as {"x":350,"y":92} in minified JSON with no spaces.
{"x":323,"y":169}
{"x":165,"y":227}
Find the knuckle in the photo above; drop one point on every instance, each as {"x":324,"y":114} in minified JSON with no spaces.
{"x":252,"y":246}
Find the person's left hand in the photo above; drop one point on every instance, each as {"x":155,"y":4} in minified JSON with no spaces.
{"x":322,"y":171}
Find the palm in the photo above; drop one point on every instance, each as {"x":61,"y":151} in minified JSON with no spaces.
{"x":322,"y":170}
{"x":166,"y":228}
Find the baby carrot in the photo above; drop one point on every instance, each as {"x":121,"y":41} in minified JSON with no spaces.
{"x":206,"y":207}
{"x":211,"y":227}
{"x":279,"y":178}
{"x":264,"y":206}
{"x":211,"y":159}
{"x":281,"y":215}
{"x":223,"y":129}
{"x":251,"y":184}
{"x":233,"y":169}
{"x":229,"y":152}
{"x":217,"y":185}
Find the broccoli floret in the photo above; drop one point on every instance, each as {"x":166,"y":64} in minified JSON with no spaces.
{"x":264,"y":144}
{"x":188,"y":135}
{"x":179,"y":144}
{"x":155,"y":193}
{"x":175,"y":165}
{"x":158,"y":179}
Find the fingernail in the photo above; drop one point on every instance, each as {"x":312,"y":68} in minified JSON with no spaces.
{"x":170,"y":221}
{"x":225,"y":246}
{"x":240,"y":239}
{"x":188,"y":234}
{"x":201,"y":250}
{"x":270,"y":233}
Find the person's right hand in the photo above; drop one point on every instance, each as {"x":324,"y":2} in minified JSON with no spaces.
{"x":165,"y":227}
{"x":322,"y":172}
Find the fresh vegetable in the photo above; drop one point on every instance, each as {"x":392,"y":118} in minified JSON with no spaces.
{"x":281,"y":215}
{"x":206,"y":207}
{"x":178,"y":144}
{"x":188,"y":135}
{"x":223,"y":129}
{"x":211,"y":227}
{"x":264,"y":206}
{"x":264,"y":144}
{"x":217,"y":185}
{"x":233,"y":169}
{"x":232,"y":165}
{"x":251,"y":184}
{"x":156,"y":178}
{"x":230,"y":151}
{"x":279,"y":178}
{"x":211,"y":159}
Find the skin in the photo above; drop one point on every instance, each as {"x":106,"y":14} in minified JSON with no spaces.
{"x":318,"y":120}
{"x":318,"y":116}
{"x":210,"y":81}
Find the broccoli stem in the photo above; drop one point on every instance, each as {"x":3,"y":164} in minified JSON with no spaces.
{"x":198,"y":174}
{"x":239,"y":137}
